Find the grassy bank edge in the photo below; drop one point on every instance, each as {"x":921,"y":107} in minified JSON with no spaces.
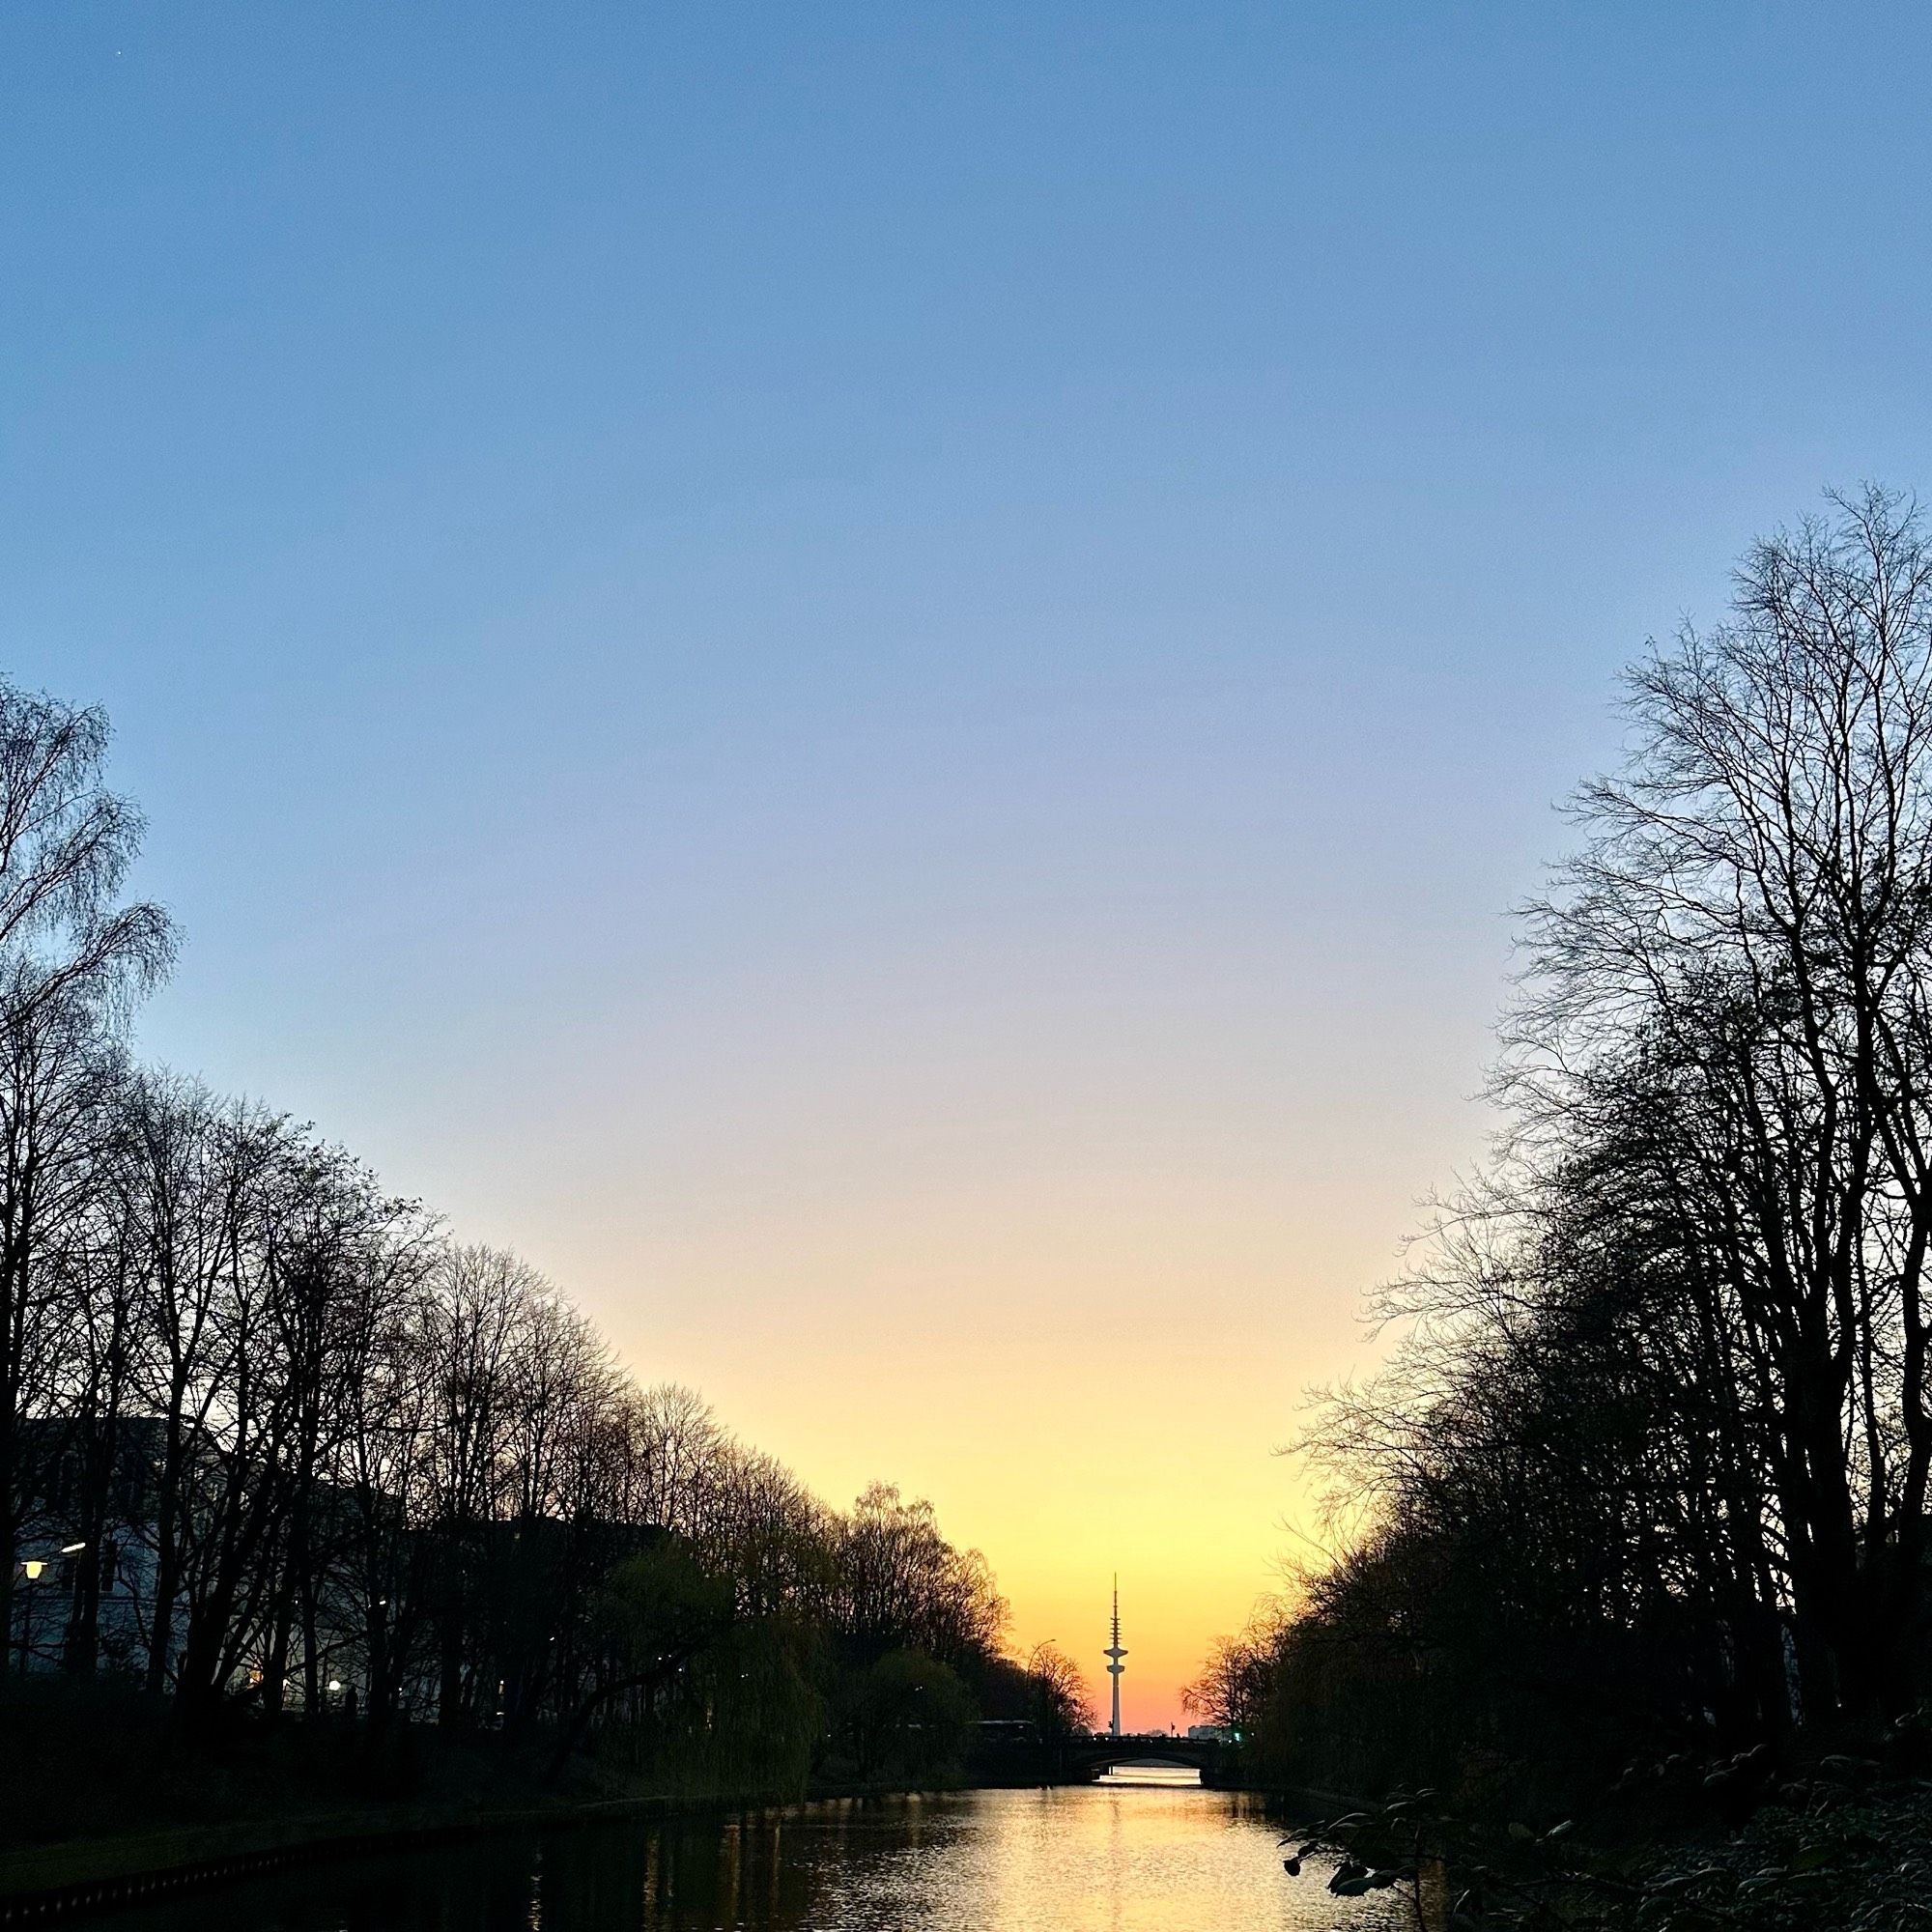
{"x":102,"y":1872}
{"x":71,"y":1873}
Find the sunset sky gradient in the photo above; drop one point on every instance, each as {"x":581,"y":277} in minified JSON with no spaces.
{"x":876,"y":677}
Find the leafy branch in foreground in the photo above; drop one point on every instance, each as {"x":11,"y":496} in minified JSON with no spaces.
{"x":1831,"y":1849}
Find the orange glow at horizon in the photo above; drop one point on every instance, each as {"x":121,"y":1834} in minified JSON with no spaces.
{"x":1100,"y":1385}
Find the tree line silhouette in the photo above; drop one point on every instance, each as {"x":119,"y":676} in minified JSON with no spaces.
{"x":1646,"y":1469}
{"x":269,"y":1438}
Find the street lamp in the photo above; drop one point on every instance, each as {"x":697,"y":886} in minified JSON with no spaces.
{"x":32,"y":1568}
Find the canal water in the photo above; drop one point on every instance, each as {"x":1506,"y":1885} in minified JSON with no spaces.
{"x":1133,"y":1855}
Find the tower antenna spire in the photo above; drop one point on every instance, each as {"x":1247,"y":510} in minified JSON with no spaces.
{"x":1116,"y":1670}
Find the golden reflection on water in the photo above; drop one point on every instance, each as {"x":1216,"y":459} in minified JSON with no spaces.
{"x":1144,"y":1852}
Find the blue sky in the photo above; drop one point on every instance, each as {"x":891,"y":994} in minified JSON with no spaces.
{"x":874,"y":677}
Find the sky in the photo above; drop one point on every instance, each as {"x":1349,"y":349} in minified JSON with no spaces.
{"x":876,"y":678}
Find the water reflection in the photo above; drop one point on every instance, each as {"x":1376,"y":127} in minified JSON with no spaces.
{"x":1136,"y":1855}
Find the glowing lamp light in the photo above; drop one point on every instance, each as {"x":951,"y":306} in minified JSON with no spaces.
{"x":32,"y":1568}
{"x":335,"y":1684}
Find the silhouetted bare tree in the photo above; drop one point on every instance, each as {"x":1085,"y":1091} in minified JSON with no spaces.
{"x":71,"y":954}
{"x":321,"y":1454}
{"x":1654,"y":1453}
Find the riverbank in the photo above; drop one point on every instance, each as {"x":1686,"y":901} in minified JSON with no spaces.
{"x":106,"y":1802}
{"x":75,"y":1875}
{"x":83,"y":1874}
{"x":108,"y":1795}
{"x":1735,"y":1846}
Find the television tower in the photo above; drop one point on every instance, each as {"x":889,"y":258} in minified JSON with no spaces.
{"x":1116,"y":1670}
